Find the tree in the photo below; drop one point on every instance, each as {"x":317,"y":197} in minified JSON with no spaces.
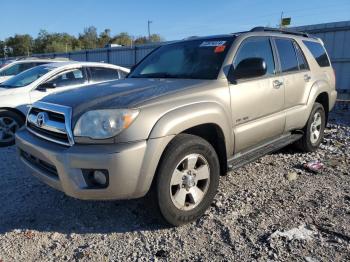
{"x":22,"y":45}
{"x":2,"y":49}
{"x":154,"y":38}
{"x":55,"y":42}
{"x":45,"y":42}
{"x":89,"y":38}
{"x":122,"y":39}
{"x":104,"y":38}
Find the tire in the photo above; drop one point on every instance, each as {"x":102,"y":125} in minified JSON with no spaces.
{"x":176,"y":178}
{"x":310,"y":142}
{"x":10,"y":122}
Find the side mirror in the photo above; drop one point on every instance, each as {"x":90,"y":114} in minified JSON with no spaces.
{"x":248,"y":68}
{"x":47,"y":85}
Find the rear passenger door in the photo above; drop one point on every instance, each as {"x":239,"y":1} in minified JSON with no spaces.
{"x":294,"y":70}
{"x":103,"y":74}
{"x":257,"y":103}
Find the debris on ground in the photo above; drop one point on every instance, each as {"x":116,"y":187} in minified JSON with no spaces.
{"x":291,"y":176}
{"x":314,"y":166}
{"x":300,"y":233}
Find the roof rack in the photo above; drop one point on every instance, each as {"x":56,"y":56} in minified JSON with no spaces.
{"x":278,"y":30}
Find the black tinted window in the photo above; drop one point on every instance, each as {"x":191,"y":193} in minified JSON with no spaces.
{"x":100,"y":74}
{"x":318,"y":52}
{"x":256,"y":47}
{"x":287,"y":55}
{"x":301,"y":58}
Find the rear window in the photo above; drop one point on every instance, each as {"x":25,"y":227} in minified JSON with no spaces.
{"x":318,"y":52}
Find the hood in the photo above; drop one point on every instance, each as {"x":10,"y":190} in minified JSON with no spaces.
{"x":128,"y":93}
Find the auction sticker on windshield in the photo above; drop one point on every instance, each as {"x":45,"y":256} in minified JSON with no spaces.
{"x":212,"y":43}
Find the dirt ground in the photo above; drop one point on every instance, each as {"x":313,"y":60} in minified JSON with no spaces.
{"x":272,"y":209}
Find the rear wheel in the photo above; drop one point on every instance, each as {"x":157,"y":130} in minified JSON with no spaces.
{"x":187,"y":179}
{"x":9,"y":124}
{"x":314,"y":130}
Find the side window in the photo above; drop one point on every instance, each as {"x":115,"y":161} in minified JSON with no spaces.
{"x":318,"y":52}
{"x":69,"y":78}
{"x":256,"y":47}
{"x":100,"y":74}
{"x":288,"y":58}
{"x":301,"y":58}
{"x":11,"y":71}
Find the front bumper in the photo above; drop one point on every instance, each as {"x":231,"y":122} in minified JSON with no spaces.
{"x":61,"y":167}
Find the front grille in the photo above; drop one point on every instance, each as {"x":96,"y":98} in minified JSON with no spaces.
{"x":63,"y":138}
{"x":50,"y":122}
{"x":40,"y":164}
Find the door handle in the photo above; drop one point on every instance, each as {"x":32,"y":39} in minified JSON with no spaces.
{"x":307,"y":78}
{"x":277,"y":84}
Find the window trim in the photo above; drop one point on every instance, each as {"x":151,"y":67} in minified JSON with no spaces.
{"x":273,"y":56}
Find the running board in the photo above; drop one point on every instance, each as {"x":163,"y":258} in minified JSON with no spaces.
{"x":244,"y":158}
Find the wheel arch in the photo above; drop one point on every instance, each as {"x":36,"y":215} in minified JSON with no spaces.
{"x":14,"y":110}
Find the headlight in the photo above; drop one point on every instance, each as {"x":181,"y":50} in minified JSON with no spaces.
{"x":103,"y":124}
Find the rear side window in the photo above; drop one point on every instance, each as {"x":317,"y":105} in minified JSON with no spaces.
{"x":256,"y":47}
{"x":318,"y":52}
{"x":301,"y":58}
{"x":100,"y":74}
{"x":288,"y":58}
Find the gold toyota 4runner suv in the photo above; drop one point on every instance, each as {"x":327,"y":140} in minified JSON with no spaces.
{"x":186,"y":114}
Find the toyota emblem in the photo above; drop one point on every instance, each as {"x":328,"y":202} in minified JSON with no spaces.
{"x":41,"y":119}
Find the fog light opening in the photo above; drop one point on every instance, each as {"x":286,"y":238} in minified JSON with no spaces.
{"x":96,"y":179}
{"x":100,"y":178}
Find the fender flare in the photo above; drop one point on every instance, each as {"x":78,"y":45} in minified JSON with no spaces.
{"x":180,"y":119}
{"x":317,"y":88}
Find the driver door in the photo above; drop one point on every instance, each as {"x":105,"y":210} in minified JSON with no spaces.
{"x":65,"y":80}
{"x":257,"y":103}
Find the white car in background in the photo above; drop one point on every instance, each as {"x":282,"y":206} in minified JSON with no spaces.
{"x":14,"y":67}
{"x":17,"y":93}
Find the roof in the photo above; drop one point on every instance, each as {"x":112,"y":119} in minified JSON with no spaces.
{"x":78,"y":63}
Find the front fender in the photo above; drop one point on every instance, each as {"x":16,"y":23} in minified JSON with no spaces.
{"x":183,"y":118}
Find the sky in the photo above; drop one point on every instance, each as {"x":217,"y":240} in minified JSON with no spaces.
{"x":173,"y":20}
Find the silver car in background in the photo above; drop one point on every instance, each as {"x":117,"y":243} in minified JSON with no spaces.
{"x":14,"y":67}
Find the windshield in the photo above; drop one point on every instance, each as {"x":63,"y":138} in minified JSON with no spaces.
{"x":195,"y":59}
{"x":27,"y":77}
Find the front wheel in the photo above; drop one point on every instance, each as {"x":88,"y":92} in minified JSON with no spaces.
{"x":9,"y":123}
{"x":187,"y":179}
{"x":314,"y":129}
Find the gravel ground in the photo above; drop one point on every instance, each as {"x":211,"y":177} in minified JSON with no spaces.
{"x":272,"y":209}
